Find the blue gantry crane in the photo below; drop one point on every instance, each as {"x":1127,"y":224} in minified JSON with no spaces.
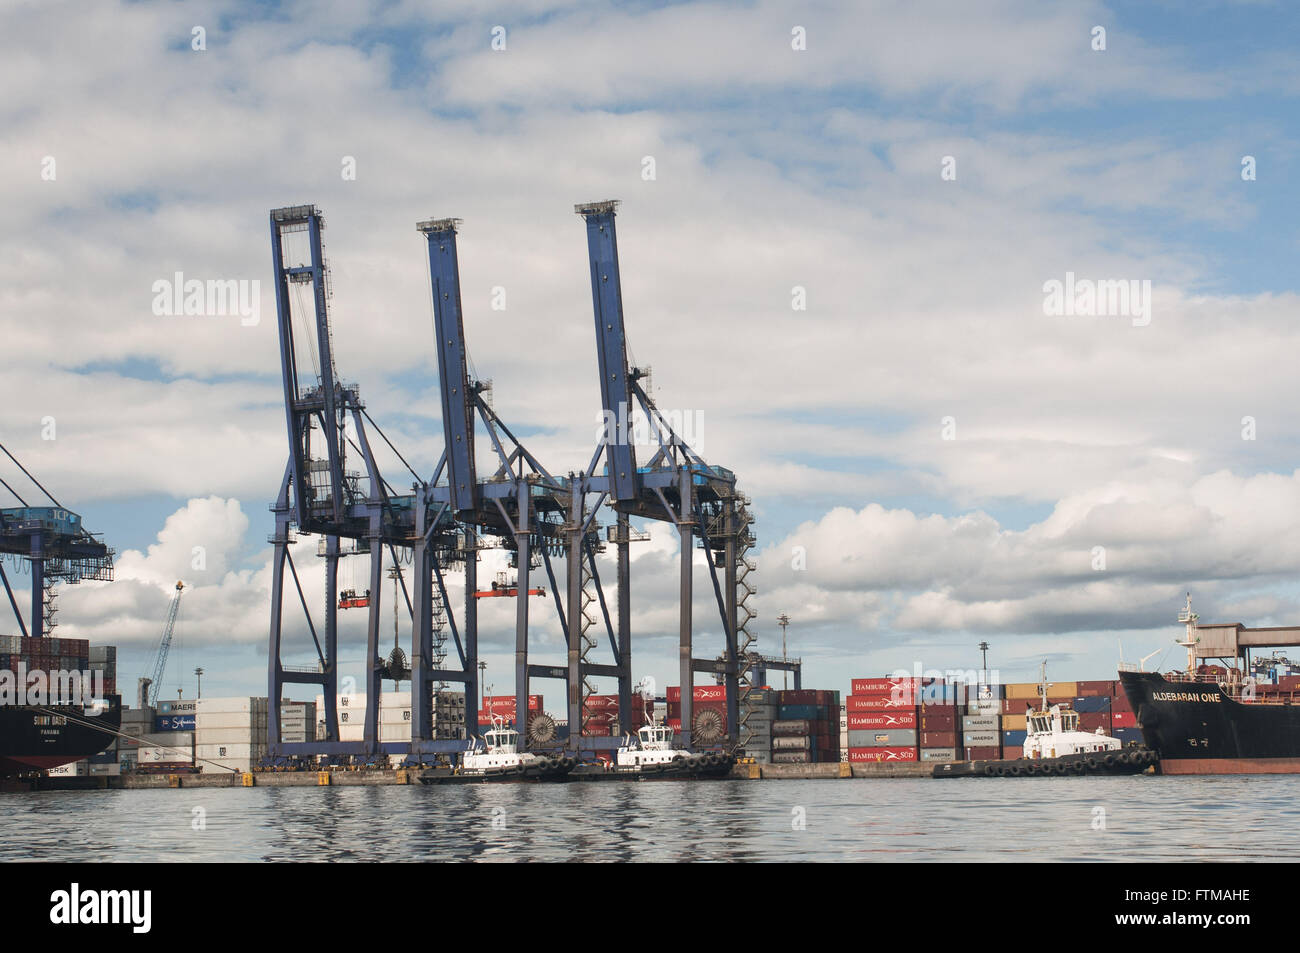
{"x":50,"y":543}
{"x":321,"y":494}
{"x":675,"y":485}
{"x":534,"y":514}
{"x":538,"y":516}
{"x":165,"y":644}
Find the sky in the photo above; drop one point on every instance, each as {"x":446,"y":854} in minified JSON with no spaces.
{"x":840,"y":228}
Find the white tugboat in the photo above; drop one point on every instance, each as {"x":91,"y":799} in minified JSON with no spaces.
{"x":652,"y":756}
{"x":1054,"y":732}
{"x":498,"y":758}
{"x":1054,"y":746}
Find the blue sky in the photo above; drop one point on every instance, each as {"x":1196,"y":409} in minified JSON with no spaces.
{"x":776,"y":168}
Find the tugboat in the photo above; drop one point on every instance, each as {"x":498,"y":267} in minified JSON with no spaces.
{"x":498,"y":758}
{"x":651,"y":756}
{"x":1054,"y":746}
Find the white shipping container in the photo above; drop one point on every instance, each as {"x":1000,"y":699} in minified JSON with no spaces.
{"x":229,"y":719}
{"x":237,"y":757}
{"x":229,"y":736}
{"x":293,"y":736}
{"x":395,"y":716}
{"x":395,"y":732}
{"x":241,"y":704}
{"x":76,"y":769}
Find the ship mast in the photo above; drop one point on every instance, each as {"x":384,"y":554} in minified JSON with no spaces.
{"x":1042,"y":683}
{"x":1189,"y":642}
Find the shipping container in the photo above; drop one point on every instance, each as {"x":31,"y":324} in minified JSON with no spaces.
{"x":1013,"y":722}
{"x":792,"y":743}
{"x":882,"y":754}
{"x":1091,"y":703}
{"x":1094,"y":689}
{"x":1013,"y":739}
{"x":938,"y":739}
{"x":792,"y":757}
{"x":981,"y":723}
{"x":1123,"y":719}
{"x":701,"y":693}
{"x":896,"y":738}
{"x":800,"y":726}
{"x":944,"y":721}
{"x":982,"y":739}
{"x":939,"y":754}
{"x":875,"y":686}
{"x":866,"y":720}
{"x":984,"y":752}
{"x":879,"y":703}
{"x":991,"y":706}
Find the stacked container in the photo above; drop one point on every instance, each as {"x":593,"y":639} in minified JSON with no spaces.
{"x":882,"y":719}
{"x":449,"y":716}
{"x":52,"y":656}
{"x":807,"y":727}
{"x":1123,"y":722}
{"x":1023,"y":696}
{"x":103,"y":659}
{"x":939,"y":720}
{"x":297,"y":722}
{"x":230,"y":732}
{"x":981,"y":725}
{"x":601,"y":715}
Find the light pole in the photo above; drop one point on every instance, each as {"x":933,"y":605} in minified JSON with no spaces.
{"x":783,"y":621}
{"x":984,"y":655}
{"x":482,"y":688}
{"x":198,"y":674}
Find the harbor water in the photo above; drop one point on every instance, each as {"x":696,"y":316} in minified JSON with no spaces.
{"x":1145,"y":818}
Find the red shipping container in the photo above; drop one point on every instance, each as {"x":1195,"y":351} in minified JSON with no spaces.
{"x":1123,"y":719}
{"x":938,"y":739}
{"x":867,"y":720}
{"x":1093,"y":689}
{"x":1091,"y":721}
{"x":1012,"y":753}
{"x":803,"y":696}
{"x":933,"y":722}
{"x":879,"y":703}
{"x":992,"y":753}
{"x":702,"y":693}
{"x":876,"y":686}
{"x":882,"y":754}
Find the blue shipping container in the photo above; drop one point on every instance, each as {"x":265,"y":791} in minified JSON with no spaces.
{"x":1092,"y":705}
{"x":174,"y":723}
{"x":1014,"y":738}
{"x":1127,"y":734}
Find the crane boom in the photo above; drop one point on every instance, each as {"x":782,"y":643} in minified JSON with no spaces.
{"x":165,"y":645}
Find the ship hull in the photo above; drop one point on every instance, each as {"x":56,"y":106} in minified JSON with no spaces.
{"x":1197,"y":728}
{"x":37,"y":739}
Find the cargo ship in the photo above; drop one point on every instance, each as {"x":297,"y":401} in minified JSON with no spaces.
{"x":1216,"y":720}
{"x":40,"y":737}
{"x":58,"y":699}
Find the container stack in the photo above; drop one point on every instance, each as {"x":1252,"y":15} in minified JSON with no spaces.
{"x":449,"y":716}
{"x":230,"y":732}
{"x":297,"y":722}
{"x":981,"y":725}
{"x":939,"y":727}
{"x":103,"y":659}
{"x":52,"y":656}
{"x":601,"y":715}
{"x":807,"y":727}
{"x":883,"y":716}
{"x":1123,"y":722}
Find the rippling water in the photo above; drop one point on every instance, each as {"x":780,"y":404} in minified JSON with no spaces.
{"x":1145,"y":818}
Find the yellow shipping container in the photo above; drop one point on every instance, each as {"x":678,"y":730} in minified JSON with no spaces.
{"x":1022,"y":690}
{"x":1013,"y":722}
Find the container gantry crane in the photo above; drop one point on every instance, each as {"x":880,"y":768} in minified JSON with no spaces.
{"x":165,"y":645}
{"x":532,"y":512}
{"x":320,"y":494}
{"x":674,"y":486}
{"x":56,"y":548}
